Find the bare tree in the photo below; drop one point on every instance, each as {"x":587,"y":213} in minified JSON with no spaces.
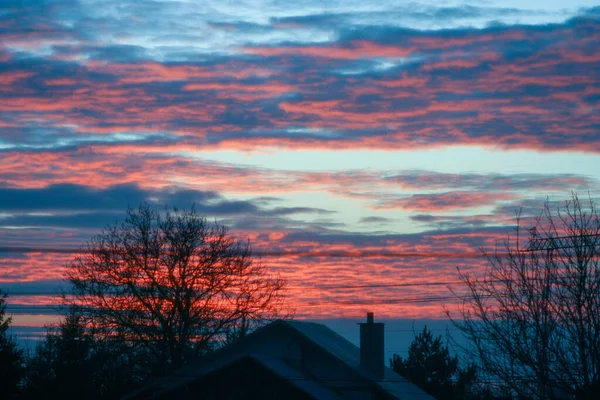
{"x":533,"y":320}
{"x":171,"y":284}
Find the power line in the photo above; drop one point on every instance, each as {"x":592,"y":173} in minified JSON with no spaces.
{"x":386,"y":301}
{"x":533,"y":243}
{"x":558,"y":242}
{"x":339,"y":287}
{"x":380,"y":285}
{"x":44,"y":308}
{"x":334,"y":253}
{"x":295,"y":253}
{"x":297,"y":287}
{"x":299,"y":253}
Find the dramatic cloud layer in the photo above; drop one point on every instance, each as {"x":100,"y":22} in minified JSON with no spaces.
{"x":366,"y":150}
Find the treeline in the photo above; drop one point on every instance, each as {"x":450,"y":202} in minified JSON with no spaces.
{"x":72,"y":362}
{"x":69,"y":363}
{"x":163,"y":289}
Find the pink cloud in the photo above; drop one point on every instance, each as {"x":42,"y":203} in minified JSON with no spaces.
{"x":438,"y":202}
{"x":325,"y":286}
{"x":356,"y":50}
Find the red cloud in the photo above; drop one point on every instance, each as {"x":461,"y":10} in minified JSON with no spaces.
{"x":324,"y":285}
{"x":438,"y":202}
{"x":7,"y":78}
{"x":32,"y":267}
{"x":356,"y":50}
{"x":327,"y":101}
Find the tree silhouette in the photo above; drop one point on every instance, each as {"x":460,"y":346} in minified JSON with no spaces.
{"x":170,"y":285}
{"x":431,"y":367}
{"x":11,"y":357}
{"x":533,"y":320}
{"x":71,"y":362}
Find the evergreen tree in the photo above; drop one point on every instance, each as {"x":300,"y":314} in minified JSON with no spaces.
{"x":70,"y":363}
{"x":11,"y":357}
{"x":431,"y":367}
{"x":59,"y":367}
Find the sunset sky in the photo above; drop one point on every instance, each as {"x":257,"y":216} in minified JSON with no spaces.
{"x":380,"y":143}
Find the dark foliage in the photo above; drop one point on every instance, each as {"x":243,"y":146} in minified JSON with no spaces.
{"x":70,"y":362}
{"x":11,"y":357}
{"x":431,"y":367}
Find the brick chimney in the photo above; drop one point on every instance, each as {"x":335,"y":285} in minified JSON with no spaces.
{"x":372,"y":355}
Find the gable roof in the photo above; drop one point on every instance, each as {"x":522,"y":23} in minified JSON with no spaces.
{"x":344,"y":350}
{"x":317,"y":334}
{"x":295,"y":377}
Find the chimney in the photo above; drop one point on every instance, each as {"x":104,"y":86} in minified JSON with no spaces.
{"x":372,"y":356}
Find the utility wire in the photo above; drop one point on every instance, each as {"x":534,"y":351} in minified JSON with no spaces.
{"x":337,"y":287}
{"x":535,"y":245}
{"x":295,"y":253}
{"x":44,"y":308}
{"x":293,"y":287}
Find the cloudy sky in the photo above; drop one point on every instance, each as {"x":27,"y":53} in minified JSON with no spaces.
{"x":381,"y":144}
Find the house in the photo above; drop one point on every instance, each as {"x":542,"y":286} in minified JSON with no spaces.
{"x":291,"y":360}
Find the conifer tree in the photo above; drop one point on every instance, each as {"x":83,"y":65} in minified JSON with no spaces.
{"x":11,"y":357}
{"x":431,"y":367}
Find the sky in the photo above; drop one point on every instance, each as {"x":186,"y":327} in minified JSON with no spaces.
{"x":366,"y":149}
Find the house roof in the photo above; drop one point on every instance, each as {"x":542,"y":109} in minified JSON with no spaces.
{"x":274,"y":365}
{"x":337,"y":346}
{"x":295,"y":377}
{"x":344,"y":350}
